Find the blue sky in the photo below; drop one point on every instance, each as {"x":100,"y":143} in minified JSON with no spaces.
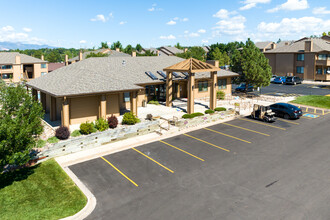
{"x":84,"y":24}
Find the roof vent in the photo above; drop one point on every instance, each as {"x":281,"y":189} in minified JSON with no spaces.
{"x":124,"y":62}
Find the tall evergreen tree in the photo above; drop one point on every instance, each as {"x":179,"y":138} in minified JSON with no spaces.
{"x":252,"y":65}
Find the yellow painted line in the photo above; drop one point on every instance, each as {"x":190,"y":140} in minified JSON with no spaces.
{"x":207,"y":142}
{"x":120,"y":172}
{"x":182,"y":150}
{"x":322,"y":111}
{"x":153,"y":160}
{"x":314,"y":110}
{"x":327,"y":95}
{"x":246,"y":129}
{"x":296,"y":123}
{"x":228,"y":135}
{"x":306,"y":109}
{"x":306,"y":117}
{"x":262,"y":123}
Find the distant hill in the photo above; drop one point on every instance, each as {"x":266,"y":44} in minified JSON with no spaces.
{"x":12,"y":46}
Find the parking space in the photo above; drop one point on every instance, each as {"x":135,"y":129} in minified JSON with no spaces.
{"x":208,"y":173}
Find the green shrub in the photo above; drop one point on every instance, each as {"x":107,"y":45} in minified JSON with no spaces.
{"x":209,"y":111}
{"x":219,"y":109}
{"x":221,"y":95}
{"x":197,"y":114}
{"x":185,"y":116}
{"x":154,"y":102}
{"x":75,"y":133}
{"x":193,"y":115}
{"x":53,"y":140}
{"x":87,"y":128}
{"x":41,"y":143}
{"x":101,"y":124}
{"x":130,"y":119}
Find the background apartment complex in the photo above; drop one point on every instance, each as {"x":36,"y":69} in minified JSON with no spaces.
{"x":306,"y":58}
{"x":15,"y":67}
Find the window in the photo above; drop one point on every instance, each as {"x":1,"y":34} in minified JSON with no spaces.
{"x":6,"y":67}
{"x":300,"y":69}
{"x":322,"y":57}
{"x":43,"y":65}
{"x":300,"y":57}
{"x":147,"y":90}
{"x":327,"y":71}
{"x":43,"y":73}
{"x":222,"y":83}
{"x":7,"y":76}
{"x":202,"y":86}
{"x":319,"y":70}
{"x":126,"y":97}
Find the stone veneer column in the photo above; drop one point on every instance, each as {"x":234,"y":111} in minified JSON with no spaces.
{"x":65,"y":112}
{"x":169,"y":89}
{"x":191,"y":87}
{"x":213,"y":90}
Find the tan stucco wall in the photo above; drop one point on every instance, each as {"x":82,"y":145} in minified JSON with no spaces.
{"x":84,"y":109}
{"x":59,"y":102}
{"x":113,"y":105}
{"x":198,"y":94}
{"x":141,"y":96}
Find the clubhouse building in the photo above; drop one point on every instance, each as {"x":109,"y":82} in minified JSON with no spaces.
{"x":100,"y":87}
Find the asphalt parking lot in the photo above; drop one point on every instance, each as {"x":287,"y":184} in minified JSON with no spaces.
{"x":293,"y":90}
{"x":241,"y":169}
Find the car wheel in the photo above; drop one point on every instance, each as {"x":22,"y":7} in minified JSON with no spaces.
{"x":252,"y":116}
{"x":286,"y":116}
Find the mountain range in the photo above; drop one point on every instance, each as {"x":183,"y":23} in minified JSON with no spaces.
{"x":17,"y":45}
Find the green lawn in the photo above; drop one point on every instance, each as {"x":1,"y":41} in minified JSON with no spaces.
{"x":44,"y":191}
{"x":314,"y":100}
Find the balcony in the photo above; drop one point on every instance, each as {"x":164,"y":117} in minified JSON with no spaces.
{"x":322,"y":77}
{"x":323,"y":62}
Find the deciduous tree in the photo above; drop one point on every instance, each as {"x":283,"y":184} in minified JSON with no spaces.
{"x":20,"y":124}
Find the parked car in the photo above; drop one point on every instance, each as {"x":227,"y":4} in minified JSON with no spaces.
{"x":241,"y":88}
{"x":286,"y":110}
{"x":272,"y":78}
{"x":293,"y":80}
{"x":279,"y":79}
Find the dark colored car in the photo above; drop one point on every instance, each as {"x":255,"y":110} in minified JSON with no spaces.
{"x":241,"y":88}
{"x":286,"y":110}
{"x":293,"y":80}
{"x":279,"y":79}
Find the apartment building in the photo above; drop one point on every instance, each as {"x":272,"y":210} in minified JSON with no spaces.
{"x":15,"y":67}
{"x":307,"y":58}
{"x":100,"y":87}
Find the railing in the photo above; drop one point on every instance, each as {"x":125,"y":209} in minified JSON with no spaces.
{"x":322,"y":77}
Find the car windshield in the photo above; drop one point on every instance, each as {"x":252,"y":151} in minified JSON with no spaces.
{"x":242,"y":85}
{"x":289,"y":79}
{"x":278,"y":77}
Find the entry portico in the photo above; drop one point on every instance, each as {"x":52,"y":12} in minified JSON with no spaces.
{"x":191,"y":66}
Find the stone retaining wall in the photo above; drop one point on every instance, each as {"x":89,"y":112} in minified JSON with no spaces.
{"x":99,"y":138}
{"x":207,"y":118}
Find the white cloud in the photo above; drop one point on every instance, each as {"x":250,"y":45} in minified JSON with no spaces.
{"x":82,"y":42}
{"x":122,"y":22}
{"x":154,"y":8}
{"x":176,"y":18}
{"x":171,"y":22}
{"x":194,"y":35}
{"x":248,"y":4}
{"x":151,"y":9}
{"x":204,"y":41}
{"x":291,"y":5}
{"x":99,"y":18}
{"x":185,"y":19}
{"x":294,"y":27}
{"x":7,"y":28}
{"x":222,"y":13}
{"x":169,"y":37}
{"x":27,"y":29}
{"x":8,"y":33}
{"x":321,"y":11}
{"x":110,"y":15}
{"x":202,"y":31}
{"x":186,"y":32}
{"x":231,"y":26}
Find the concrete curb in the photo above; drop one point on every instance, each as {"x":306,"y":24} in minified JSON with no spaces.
{"x":90,"y":154}
{"x":308,"y":106}
{"x":91,"y":200}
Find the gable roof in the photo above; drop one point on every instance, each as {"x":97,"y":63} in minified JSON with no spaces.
{"x":107,"y":51}
{"x":264,"y":44}
{"x":10,"y":57}
{"x":54,"y":66}
{"x":299,"y":46}
{"x":170,"y":50}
